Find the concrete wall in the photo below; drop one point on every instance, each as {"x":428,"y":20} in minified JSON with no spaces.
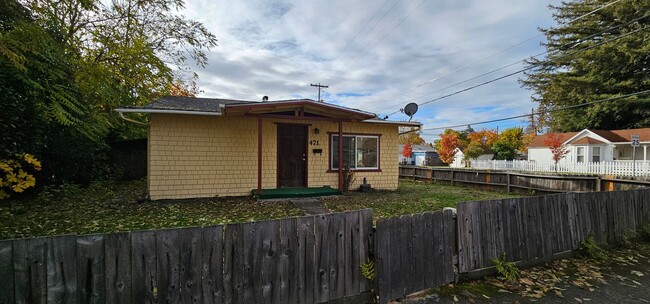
{"x":207,"y":156}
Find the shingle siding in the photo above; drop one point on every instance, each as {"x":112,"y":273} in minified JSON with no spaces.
{"x":207,"y":156}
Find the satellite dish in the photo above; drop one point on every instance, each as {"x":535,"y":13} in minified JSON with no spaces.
{"x":410,"y":109}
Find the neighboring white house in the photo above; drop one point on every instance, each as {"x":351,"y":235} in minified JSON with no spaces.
{"x":593,"y":146}
{"x":423,"y":155}
{"x":459,"y":161}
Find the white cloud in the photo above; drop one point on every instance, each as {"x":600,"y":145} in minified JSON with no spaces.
{"x":277,"y":48}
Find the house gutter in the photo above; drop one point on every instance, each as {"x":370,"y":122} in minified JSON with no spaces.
{"x":417,"y":129}
{"x":132,"y":120}
{"x":121,"y":112}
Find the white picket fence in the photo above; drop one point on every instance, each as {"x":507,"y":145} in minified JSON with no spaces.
{"x":617,"y":168}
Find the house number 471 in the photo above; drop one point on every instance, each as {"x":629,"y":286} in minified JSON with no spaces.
{"x":313,"y":142}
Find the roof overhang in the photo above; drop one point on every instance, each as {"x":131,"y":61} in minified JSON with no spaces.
{"x":163,"y":111}
{"x":318,"y":108}
{"x":393,"y":122}
{"x":586,"y":132}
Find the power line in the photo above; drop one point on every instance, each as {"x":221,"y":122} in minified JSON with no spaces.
{"x":492,"y":55}
{"x":357,"y":42}
{"x":520,"y":61}
{"x":523,"y":70}
{"x":539,"y":112}
{"x":374,"y":43}
{"x":353,"y":40}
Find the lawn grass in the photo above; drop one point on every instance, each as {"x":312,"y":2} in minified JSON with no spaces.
{"x":411,"y":197}
{"x":120,"y":206}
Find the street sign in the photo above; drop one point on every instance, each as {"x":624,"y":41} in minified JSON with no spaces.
{"x":635,"y":140}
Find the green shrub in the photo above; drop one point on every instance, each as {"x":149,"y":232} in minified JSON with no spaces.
{"x":368,"y":270}
{"x":590,"y":249}
{"x":507,"y":270}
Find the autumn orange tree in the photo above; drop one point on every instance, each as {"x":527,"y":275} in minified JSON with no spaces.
{"x":558,"y":149}
{"x":480,"y":142}
{"x":446,"y":147}
{"x":412,"y":138}
{"x":407,"y":150}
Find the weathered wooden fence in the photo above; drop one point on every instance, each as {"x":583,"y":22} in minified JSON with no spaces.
{"x":311,"y":259}
{"x":295,"y":260}
{"x":531,"y":228}
{"x":414,"y":252}
{"x":511,"y":181}
{"x":299,"y":260}
{"x":166,"y":266}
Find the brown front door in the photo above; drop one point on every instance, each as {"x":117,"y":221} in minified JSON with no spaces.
{"x":292,"y":155}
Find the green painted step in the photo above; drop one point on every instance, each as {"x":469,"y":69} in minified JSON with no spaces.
{"x":295,"y":192}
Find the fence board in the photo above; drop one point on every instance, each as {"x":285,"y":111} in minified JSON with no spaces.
{"x":212,"y":273}
{"x":30,"y":273}
{"x":190,"y":264}
{"x":90,"y":269}
{"x":414,"y":252}
{"x":168,"y":264}
{"x":286,"y":274}
{"x":337,"y":259}
{"x":305,"y":263}
{"x":6,"y":272}
{"x":383,"y":258}
{"x":321,"y":227}
{"x":62,"y":270}
{"x":118,"y":268}
{"x":143,"y":272}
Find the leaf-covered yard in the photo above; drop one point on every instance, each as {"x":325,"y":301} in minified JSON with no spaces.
{"x":119,"y":206}
{"x":411,"y":197}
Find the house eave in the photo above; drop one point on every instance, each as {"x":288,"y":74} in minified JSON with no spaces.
{"x":165,"y":111}
{"x":393,"y":122}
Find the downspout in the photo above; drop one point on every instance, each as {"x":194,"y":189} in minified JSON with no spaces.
{"x":412,"y":130}
{"x":132,"y":120}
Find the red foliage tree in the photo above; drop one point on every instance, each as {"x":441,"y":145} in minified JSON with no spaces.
{"x":407,"y":150}
{"x":448,"y":143}
{"x":556,"y":144}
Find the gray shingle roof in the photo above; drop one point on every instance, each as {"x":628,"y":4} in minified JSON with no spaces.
{"x":191,"y":104}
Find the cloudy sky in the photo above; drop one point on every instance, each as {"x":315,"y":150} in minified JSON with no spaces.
{"x":376,"y":55}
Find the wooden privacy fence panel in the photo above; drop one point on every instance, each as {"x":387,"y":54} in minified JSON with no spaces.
{"x":414,"y":252}
{"x":297,"y":260}
{"x":170,"y":266}
{"x":531,"y":228}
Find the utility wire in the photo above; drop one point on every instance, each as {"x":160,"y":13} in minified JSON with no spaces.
{"x":576,"y":43}
{"x":353,"y":41}
{"x":523,"y":70}
{"x":373,"y":44}
{"x":492,"y":55}
{"x":539,"y":112}
{"x":351,"y":51}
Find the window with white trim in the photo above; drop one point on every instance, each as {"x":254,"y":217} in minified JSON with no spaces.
{"x":595,"y":154}
{"x":360,"y":152}
{"x":580,"y":154}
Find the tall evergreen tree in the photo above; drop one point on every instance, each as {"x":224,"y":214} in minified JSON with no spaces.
{"x":581,"y":68}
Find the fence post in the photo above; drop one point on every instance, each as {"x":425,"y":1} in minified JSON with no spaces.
{"x":598,"y":182}
{"x":452,"y":177}
{"x":508,"y":182}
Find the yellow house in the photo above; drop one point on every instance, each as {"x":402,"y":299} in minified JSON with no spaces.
{"x":203,"y":147}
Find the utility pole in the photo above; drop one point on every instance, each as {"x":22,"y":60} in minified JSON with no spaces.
{"x":319,"y":86}
{"x":533,"y":125}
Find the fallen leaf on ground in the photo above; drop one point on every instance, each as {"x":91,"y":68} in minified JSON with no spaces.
{"x":637,"y":273}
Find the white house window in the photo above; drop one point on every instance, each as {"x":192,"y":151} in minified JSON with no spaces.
{"x":580,"y":154}
{"x":360,"y":152}
{"x":595,"y":154}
